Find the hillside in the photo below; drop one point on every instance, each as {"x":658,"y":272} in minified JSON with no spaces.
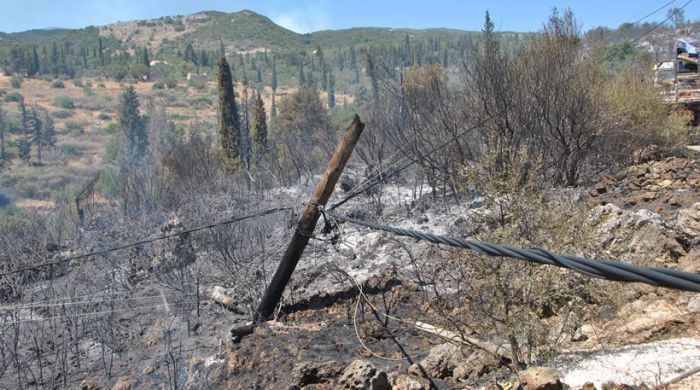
{"x":500,"y":212}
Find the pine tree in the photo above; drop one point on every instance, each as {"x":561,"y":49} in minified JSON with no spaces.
{"x":222,"y":50}
{"x":133,"y":125}
{"x":259,"y":135}
{"x":229,"y":121}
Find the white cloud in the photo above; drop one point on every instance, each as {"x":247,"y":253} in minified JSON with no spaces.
{"x":310,"y":17}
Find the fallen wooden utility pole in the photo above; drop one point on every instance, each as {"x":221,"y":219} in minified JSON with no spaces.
{"x":307,"y":222}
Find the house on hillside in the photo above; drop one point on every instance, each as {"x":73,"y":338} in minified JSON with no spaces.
{"x":196,"y":77}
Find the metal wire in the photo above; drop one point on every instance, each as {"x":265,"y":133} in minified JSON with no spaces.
{"x":604,"y":269}
{"x":146,"y":241}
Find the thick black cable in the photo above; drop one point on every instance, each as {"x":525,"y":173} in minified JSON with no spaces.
{"x":604,"y":269}
{"x":146,"y":241}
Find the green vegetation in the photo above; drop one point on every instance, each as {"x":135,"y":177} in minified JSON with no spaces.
{"x":64,"y":102}
{"x":69,"y":150}
{"x":13,"y":97}
{"x":62,"y":114}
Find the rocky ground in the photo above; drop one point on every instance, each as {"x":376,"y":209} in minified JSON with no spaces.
{"x":327,"y":336}
{"x":319,"y":340}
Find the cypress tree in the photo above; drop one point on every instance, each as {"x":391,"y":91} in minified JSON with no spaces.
{"x":133,"y":125}
{"x":2,"y":134}
{"x":331,"y":90}
{"x":33,"y":63}
{"x":274,"y":77}
{"x":302,"y":78}
{"x":48,"y":131}
{"x":324,"y":79}
{"x":259,"y":135}
{"x":229,"y":121}
{"x":144,"y":57}
{"x":273,"y":108}
{"x":55,"y":57}
{"x":38,"y":135}
{"x":24,"y":145}
{"x":99,"y":51}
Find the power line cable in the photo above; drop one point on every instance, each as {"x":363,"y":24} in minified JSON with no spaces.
{"x":661,"y":23}
{"x":605,"y":269}
{"x":146,"y":241}
{"x":654,"y":12}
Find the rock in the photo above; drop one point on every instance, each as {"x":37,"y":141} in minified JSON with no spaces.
{"x":123,"y":383}
{"x":440,"y":362}
{"x":541,"y":378}
{"x":308,"y":373}
{"x":583,"y":333}
{"x":649,"y":196}
{"x":665,"y":183}
{"x":226,"y":298}
{"x":408,"y":382}
{"x":89,"y":384}
{"x":600,"y":188}
{"x":688,"y":222}
{"x":361,"y":375}
{"x":694,"y":304}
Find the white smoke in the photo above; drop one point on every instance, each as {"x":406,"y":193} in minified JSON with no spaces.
{"x":305,"y":18}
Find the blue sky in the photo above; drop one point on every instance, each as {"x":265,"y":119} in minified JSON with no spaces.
{"x":312,"y":15}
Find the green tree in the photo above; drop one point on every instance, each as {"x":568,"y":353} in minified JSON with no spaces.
{"x":133,"y":125}
{"x":3,"y":156}
{"x":49,"y":131}
{"x":37,"y":132}
{"x":222,"y":50}
{"x":491,"y":44}
{"x":303,"y":116}
{"x":274,"y":77}
{"x":273,"y":107}
{"x":229,"y":120}
{"x":259,"y":134}
{"x":331,"y":90}
{"x":54,"y":59}
{"x":33,"y":63}
{"x":144,"y":57}
{"x":302,"y":77}
{"x":100,"y":51}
